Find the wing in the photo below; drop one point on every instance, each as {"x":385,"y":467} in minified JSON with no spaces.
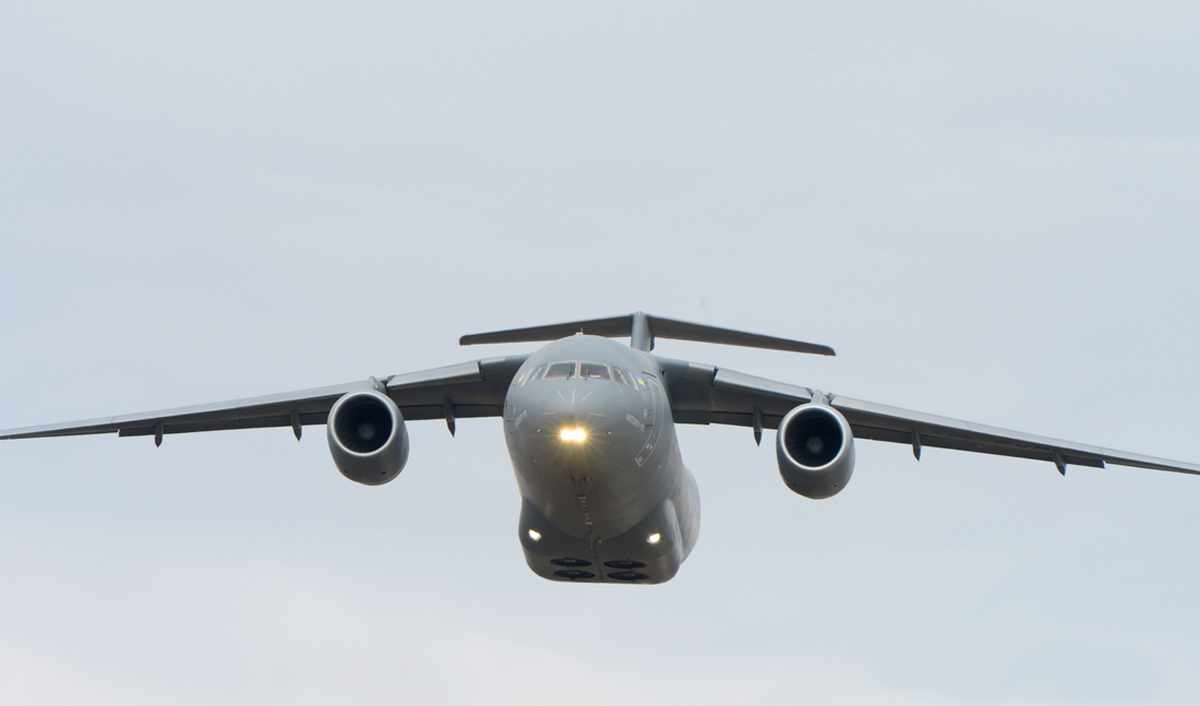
{"x":473,"y":389}
{"x":702,"y":394}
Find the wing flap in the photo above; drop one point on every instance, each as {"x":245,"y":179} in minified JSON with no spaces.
{"x":862,"y":431}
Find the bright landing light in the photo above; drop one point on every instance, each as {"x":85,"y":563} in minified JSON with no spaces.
{"x":535,"y":535}
{"x":654,"y":538}
{"x":573,"y":435}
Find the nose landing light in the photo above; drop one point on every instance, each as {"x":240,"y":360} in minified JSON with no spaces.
{"x":577,"y":435}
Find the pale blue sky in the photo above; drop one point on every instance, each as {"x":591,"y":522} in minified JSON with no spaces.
{"x":989,"y":209}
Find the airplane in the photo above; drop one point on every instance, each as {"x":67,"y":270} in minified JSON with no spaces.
{"x":590,"y":429}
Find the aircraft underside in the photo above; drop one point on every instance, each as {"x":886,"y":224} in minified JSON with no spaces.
{"x":650,"y":552}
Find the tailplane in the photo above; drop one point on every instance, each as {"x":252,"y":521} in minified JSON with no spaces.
{"x":642,"y":329}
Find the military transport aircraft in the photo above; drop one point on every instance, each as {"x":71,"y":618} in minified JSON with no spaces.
{"x":590,"y":427}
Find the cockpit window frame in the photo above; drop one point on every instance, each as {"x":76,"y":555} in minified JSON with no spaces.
{"x":609,"y":373}
{"x":533,"y":374}
{"x":573,"y":373}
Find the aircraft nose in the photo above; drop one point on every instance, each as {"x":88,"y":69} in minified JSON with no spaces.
{"x":572,"y":414}
{"x":578,"y":405}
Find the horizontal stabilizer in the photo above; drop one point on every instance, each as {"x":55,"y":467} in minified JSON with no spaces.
{"x":643,"y":329}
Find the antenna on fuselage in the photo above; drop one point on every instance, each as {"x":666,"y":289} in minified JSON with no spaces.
{"x":643,"y":329}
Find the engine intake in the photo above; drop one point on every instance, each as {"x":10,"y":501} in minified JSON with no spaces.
{"x":815,"y":448}
{"x":367,"y":437}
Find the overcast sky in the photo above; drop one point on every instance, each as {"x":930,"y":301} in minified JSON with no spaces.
{"x":990,"y":209}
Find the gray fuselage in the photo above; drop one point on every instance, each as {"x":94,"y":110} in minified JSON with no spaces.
{"x":605,"y":494}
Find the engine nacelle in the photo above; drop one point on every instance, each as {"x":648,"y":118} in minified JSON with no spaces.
{"x":816,"y":450}
{"x":367,"y":437}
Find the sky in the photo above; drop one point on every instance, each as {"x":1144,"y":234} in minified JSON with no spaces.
{"x":988,"y":208}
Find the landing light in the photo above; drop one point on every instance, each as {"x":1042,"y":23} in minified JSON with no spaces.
{"x":654,"y":538}
{"x":573,"y":435}
{"x":535,"y":535}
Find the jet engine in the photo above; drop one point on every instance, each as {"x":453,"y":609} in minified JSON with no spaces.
{"x":815,"y":448}
{"x":367,"y":437}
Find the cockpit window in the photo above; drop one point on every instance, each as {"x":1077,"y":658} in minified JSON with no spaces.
{"x":560,"y":371}
{"x":593,"y":371}
{"x":567,"y":369}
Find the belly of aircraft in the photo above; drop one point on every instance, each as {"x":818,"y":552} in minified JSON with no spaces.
{"x":618,"y":525}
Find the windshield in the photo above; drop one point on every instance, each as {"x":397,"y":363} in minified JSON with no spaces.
{"x":593,"y":371}
{"x":560,"y":371}
{"x":573,"y":369}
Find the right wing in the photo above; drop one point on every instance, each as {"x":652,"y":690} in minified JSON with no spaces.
{"x":703,"y":394}
{"x":871,"y":420}
{"x":473,"y":389}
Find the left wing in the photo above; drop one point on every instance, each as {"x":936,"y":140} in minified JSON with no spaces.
{"x":473,"y":389}
{"x":703,"y":394}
